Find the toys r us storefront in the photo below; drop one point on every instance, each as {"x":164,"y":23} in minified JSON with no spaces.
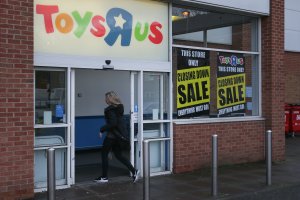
{"x":185,"y":70}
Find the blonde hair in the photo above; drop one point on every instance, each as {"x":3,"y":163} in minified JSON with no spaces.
{"x":112,"y":98}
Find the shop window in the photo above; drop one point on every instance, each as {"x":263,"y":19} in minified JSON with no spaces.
{"x":215,"y":64}
{"x":51,"y":129}
{"x":202,"y":28}
{"x":159,"y":150}
{"x":40,"y":167}
{"x":50,"y":136}
{"x":50,"y":93}
{"x":156,"y":130}
{"x":156,"y":93}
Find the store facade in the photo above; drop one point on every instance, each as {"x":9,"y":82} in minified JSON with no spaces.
{"x":185,"y":71}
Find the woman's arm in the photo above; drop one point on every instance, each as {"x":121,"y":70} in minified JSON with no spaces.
{"x":111,"y":121}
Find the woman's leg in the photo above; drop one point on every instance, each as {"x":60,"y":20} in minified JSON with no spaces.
{"x":105,"y":150}
{"x":118,"y":153}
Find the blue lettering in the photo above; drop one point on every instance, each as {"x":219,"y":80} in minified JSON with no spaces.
{"x":124,"y":19}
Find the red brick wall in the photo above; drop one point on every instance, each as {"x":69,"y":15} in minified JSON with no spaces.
{"x":16,"y":99}
{"x":292,"y":80}
{"x":238,"y":142}
{"x":273,"y":75}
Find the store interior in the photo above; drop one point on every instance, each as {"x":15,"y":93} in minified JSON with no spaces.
{"x":89,"y":117}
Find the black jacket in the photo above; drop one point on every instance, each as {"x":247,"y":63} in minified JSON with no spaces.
{"x":115,"y":123}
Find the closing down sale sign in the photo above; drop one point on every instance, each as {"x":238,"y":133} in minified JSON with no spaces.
{"x":193,"y":82}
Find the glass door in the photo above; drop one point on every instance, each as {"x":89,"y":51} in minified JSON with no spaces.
{"x":156,"y":120}
{"x":52,"y":125}
{"x":150,"y":105}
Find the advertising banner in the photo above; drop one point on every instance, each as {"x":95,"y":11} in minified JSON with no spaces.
{"x":231,"y":84}
{"x":193,"y":82}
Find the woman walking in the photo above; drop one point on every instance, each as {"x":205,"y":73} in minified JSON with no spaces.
{"x":114,"y":127}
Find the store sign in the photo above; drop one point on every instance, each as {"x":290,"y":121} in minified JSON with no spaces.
{"x":118,"y":28}
{"x":193,"y":82}
{"x":231,"y":82}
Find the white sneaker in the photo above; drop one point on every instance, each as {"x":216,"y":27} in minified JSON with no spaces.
{"x":110,"y":155}
{"x":135,"y":176}
{"x":101,"y":180}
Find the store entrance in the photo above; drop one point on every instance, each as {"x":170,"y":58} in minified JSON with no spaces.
{"x":90,"y":88}
{"x":145,"y":96}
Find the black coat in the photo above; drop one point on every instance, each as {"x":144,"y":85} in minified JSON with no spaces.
{"x":115,"y":123}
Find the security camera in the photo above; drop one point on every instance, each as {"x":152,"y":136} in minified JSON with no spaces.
{"x":107,"y":65}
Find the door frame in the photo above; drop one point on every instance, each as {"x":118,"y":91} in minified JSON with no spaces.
{"x":137,"y":155}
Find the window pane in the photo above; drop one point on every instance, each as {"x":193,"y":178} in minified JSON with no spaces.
{"x":189,"y":90}
{"x":40,"y":167}
{"x":159,"y":156}
{"x":159,"y":150}
{"x":50,"y":102}
{"x":156,"y":130}
{"x":205,"y":96}
{"x":153,"y":84}
{"x":151,"y":96}
{"x":249,"y":84}
{"x":50,"y":136}
{"x":207,"y":28}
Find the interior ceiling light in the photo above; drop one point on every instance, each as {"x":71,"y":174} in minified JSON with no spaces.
{"x":186,"y":13}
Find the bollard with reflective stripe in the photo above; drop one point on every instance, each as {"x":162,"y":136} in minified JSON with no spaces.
{"x":51,"y":182}
{"x":146,"y":169}
{"x":268,"y":149}
{"x":214,"y":169}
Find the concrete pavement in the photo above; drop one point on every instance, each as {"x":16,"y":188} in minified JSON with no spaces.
{"x":245,"y":182}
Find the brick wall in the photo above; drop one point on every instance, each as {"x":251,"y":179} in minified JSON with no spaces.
{"x":238,"y":142}
{"x":273,"y":75}
{"x":16,"y":99}
{"x":292,"y":81}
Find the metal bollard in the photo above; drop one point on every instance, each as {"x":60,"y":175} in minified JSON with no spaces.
{"x":146,"y":170}
{"x":268,"y":149}
{"x":214,"y":168}
{"x":51,"y":178}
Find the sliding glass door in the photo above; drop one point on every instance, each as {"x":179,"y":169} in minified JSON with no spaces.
{"x":151,"y":113}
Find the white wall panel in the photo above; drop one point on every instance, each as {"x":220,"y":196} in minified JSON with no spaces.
{"x":292,"y":20}
{"x":91,"y":86}
{"x":292,"y":40}
{"x":253,"y":6}
{"x":292,"y":25}
{"x":292,"y":4}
